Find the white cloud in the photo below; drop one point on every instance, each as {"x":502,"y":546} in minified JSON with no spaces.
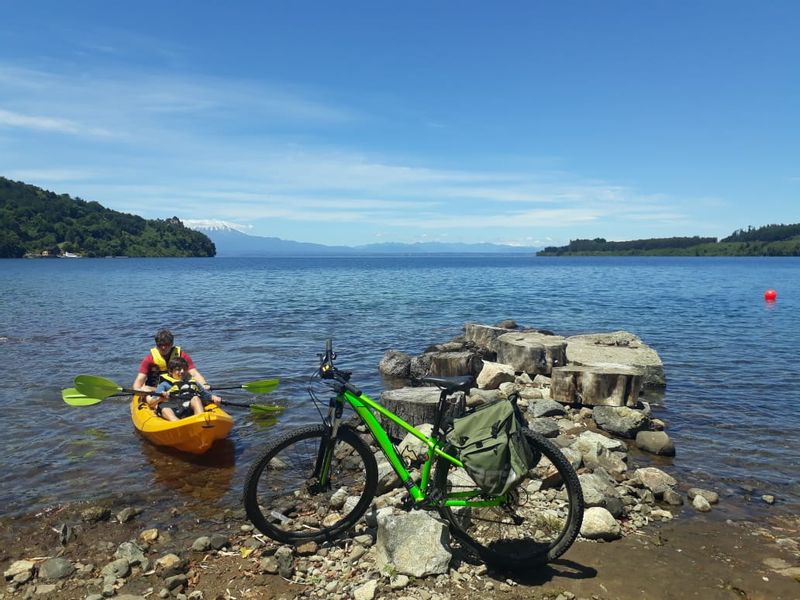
{"x":37,"y":122}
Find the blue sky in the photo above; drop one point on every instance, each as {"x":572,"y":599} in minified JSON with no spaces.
{"x":357,"y":122}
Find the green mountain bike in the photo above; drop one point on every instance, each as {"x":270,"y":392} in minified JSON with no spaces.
{"x":316,"y":482}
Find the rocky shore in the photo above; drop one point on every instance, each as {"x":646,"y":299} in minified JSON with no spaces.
{"x":644,"y":534}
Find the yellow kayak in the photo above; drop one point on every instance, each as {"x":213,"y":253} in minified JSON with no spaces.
{"x":193,"y":434}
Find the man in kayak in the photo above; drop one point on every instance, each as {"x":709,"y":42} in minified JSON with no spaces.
{"x":179,"y":395}
{"x":155,"y":364}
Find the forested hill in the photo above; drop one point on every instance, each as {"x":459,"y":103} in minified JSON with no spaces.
{"x":35,"y":222}
{"x":769,"y":240}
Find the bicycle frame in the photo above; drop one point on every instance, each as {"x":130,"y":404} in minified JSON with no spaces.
{"x":365,"y":407}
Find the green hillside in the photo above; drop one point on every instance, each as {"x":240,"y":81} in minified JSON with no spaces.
{"x":36,"y":222}
{"x":769,"y":240}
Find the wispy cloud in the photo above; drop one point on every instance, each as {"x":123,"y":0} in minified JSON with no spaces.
{"x":263,"y":155}
{"x":37,"y":122}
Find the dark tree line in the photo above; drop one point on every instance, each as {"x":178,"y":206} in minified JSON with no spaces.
{"x":767,"y":233}
{"x":770,"y":240}
{"x":601,"y":245}
{"x":34,"y":222}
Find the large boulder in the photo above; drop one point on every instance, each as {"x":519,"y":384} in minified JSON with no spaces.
{"x":620,"y":420}
{"x":531,"y":352}
{"x":400,"y":538}
{"x":395,"y":364}
{"x":493,"y":374}
{"x":615,"y":349}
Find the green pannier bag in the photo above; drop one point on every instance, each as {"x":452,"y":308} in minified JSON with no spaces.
{"x":492,"y":447}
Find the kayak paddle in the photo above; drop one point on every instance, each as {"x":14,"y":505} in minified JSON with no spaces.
{"x":261,"y":408}
{"x":91,"y":389}
{"x":75,"y":398}
{"x":260,"y":386}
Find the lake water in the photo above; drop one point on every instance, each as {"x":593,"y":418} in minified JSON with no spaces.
{"x":730,"y":358}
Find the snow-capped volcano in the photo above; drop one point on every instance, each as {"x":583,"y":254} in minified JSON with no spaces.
{"x":215,"y":225}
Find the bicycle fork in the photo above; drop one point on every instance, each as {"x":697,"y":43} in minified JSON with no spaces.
{"x":322,"y":468}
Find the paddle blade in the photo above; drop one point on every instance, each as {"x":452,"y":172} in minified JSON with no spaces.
{"x":262,"y":386}
{"x":266,"y":409}
{"x":74,"y":398}
{"x":94,"y":386}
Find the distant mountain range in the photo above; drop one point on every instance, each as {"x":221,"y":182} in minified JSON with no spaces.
{"x":231,"y":242}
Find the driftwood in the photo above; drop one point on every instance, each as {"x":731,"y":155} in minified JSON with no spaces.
{"x":611,"y":385}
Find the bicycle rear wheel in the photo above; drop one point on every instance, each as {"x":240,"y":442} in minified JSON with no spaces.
{"x":283,"y":496}
{"x":539,"y":522}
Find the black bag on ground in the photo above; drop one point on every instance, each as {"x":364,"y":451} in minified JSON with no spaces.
{"x":492,"y":447}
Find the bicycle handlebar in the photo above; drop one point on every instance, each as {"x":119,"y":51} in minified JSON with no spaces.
{"x":327,"y":370}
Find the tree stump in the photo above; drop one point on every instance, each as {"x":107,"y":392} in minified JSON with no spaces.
{"x":531,"y":352}
{"x":417,"y":405}
{"x":611,"y":385}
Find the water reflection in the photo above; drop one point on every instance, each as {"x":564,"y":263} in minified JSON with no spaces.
{"x":201,"y":482}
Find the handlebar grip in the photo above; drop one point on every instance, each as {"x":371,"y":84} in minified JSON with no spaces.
{"x":352,"y":389}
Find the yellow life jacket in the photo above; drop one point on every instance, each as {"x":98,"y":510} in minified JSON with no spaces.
{"x":160,"y":363}
{"x":182,"y":389}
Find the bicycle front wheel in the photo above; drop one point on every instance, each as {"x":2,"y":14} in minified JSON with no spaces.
{"x":539,"y":522}
{"x":285,"y":497}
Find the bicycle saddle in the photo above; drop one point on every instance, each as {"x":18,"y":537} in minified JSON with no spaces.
{"x":461,"y":383}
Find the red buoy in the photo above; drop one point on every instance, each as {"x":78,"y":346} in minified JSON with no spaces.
{"x":770,"y":295}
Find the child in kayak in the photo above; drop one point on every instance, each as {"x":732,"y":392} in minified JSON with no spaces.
{"x":179,"y":395}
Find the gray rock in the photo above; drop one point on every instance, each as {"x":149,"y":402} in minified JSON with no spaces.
{"x":412,"y":449}
{"x":269,"y":565}
{"x":19,"y":567}
{"x":655,"y":442}
{"x":620,"y":420}
{"x":133,"y":553}
{"x":654,"y":480}
{"x":283,"y":556}
{"x":170,"y":565}
{"x":672,"y":497}
{"x":400,"y":537}
{"x":710,"y":496}
{"x":218,"y":541}
{"x":546,"y":408}
{"x":395,"y":364}
{"x":701,"y":504}
{"x":387,"y":476}
{"x":366,"y":591}
{"x":127,"y":514}
{"x":175,"y":582}
{"x":493,"y":374}
{"x":55,"y":568}
{"x":588,"y":440}
{"x":94,"y":514}
{"x":202,"y":544}
{"x":599,"y":524}
{"x":118,"y":569}
{"x":545,"y":427}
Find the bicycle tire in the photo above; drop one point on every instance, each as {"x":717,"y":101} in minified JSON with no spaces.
{"x":538,"y":525}
{"x":280,"y":494}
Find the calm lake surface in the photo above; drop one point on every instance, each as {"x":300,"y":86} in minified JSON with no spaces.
{"x":731,"y":359}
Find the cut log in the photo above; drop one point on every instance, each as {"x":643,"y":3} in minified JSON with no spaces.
{"x":415,"y":405}
{"x":605,"y":386}
{"x":531,"y":352}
